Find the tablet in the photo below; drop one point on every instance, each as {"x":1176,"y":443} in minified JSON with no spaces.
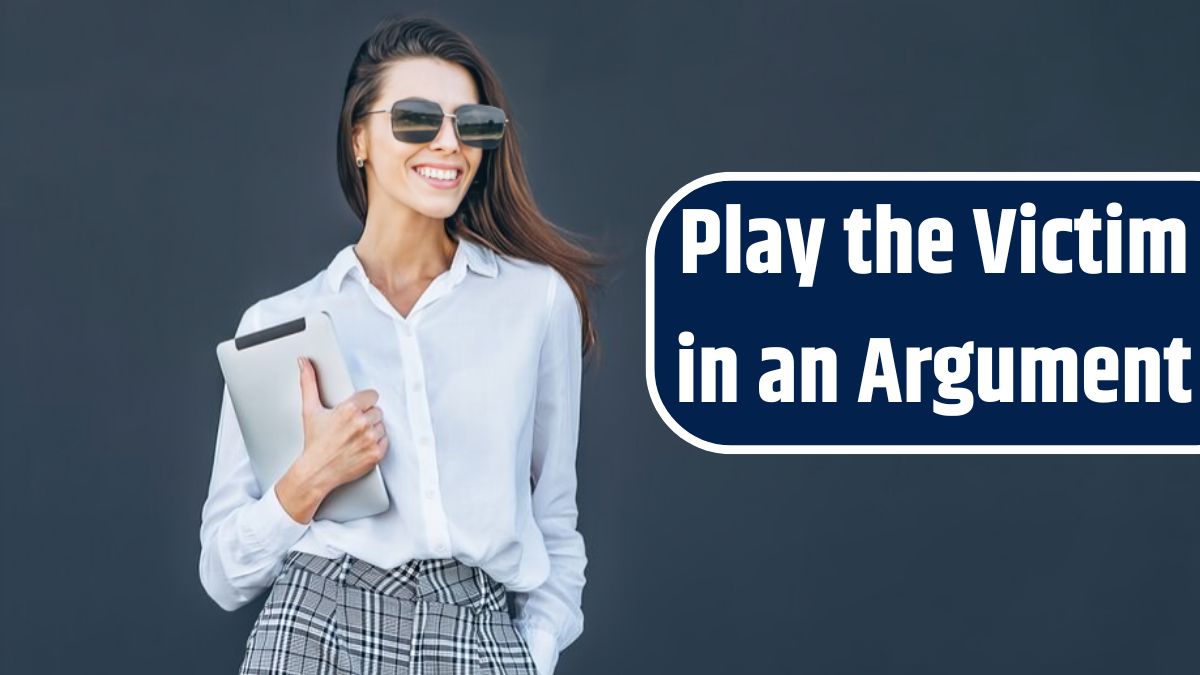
{"x":263,"y":378}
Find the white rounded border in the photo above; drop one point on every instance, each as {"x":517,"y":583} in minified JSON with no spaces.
{"x":947,"y":449}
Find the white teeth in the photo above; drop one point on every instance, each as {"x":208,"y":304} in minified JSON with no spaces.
{"x":440,"y":174}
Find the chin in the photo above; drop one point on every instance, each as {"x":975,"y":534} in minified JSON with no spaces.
{"x":438,"y":210}
{"x":429,"y":207}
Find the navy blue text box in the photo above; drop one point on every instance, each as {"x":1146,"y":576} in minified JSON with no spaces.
{"x":843,"y":310}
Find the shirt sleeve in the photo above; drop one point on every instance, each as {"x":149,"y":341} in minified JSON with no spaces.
{"x":551,"y":616}
{"x":244,"y":531}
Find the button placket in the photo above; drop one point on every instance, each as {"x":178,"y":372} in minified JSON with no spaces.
{"x":422,"y":432}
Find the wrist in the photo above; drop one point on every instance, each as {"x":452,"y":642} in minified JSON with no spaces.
{"x":299,"y":493}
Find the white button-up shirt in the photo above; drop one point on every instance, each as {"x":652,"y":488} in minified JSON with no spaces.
{"x":480,"y":389}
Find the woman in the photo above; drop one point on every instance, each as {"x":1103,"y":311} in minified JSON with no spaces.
{"x":463,"y":319}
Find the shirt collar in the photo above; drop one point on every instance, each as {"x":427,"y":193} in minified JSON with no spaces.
{"x":469,"y":255}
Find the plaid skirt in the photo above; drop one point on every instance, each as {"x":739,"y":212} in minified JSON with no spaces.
{"x":424,"y":617}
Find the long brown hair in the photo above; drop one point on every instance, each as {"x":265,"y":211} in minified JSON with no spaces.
{"x":498,"y":210}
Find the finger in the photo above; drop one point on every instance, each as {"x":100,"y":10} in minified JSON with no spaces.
{"x":365,"y":398}
{"x":309,"y":395}
{"x":370,"y":437}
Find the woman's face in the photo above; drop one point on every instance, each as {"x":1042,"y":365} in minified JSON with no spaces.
{"x":391,"y":165}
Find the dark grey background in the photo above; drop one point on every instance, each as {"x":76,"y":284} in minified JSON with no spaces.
{"x":166,"y":164}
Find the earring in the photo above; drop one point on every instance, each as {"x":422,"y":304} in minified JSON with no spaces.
{"x":359,"y":161}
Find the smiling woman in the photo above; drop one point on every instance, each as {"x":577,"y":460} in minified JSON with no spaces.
{"x":407,"y":155}
{"x":419,"y":120}
{"x":464,"y":320}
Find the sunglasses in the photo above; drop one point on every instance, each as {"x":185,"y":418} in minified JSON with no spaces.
{"x":417,"y":120}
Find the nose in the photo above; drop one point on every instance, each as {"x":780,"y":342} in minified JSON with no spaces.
{"x":447,"y":137}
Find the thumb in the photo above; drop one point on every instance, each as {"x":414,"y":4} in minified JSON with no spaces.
{"x":310,"y":400}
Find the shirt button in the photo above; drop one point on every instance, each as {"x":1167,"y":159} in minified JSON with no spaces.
{"x":416,"y":385}
{"x":405,"y":329}
{"x":425,"y":441}
{"x":429,"y":493}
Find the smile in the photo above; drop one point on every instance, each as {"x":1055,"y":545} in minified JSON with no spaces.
{"x":442,"y":179}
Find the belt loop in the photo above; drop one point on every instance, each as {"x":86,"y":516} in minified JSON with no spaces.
{"x":420,"y":584}
{"x":480,"y":595}
{"x":344,"y":568}
{"x":482,"y":601}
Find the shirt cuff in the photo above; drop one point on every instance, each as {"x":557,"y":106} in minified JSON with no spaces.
{"x":270,"y":526}
{"x":543,"y":645}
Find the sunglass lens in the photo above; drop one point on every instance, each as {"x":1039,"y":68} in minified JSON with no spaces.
{"x":480,"y":125}
{"x":416,"y":121}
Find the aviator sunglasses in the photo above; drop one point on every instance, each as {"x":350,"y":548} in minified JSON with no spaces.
{"x":417,"y":120}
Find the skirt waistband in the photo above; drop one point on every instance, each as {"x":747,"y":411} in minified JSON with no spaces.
{"x":445,"y":580}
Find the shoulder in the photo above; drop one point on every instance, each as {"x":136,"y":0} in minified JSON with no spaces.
{"x":560,"y":306}
{"x":561,"y":303}
{"x":541,"y":289}
{"x":283,"y":305}
{"x":536,"y":283}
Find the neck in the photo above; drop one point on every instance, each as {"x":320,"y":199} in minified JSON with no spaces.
{"x":402,"y":246}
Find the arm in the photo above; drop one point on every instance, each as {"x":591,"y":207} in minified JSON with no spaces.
{"x":245,"y":532}
{"x":551,"y":616}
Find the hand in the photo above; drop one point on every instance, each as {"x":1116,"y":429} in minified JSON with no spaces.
{"x":341,"y":444}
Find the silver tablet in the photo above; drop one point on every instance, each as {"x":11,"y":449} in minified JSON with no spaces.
{"x":264,"y":384}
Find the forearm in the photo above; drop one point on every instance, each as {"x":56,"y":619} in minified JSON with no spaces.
{"x":243,"y":547}
{"x":300,"y":493}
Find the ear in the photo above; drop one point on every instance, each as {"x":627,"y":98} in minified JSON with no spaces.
{"x":359,"y":141}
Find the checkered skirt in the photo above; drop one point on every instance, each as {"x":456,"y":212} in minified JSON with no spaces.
{"x":327,"y":616}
